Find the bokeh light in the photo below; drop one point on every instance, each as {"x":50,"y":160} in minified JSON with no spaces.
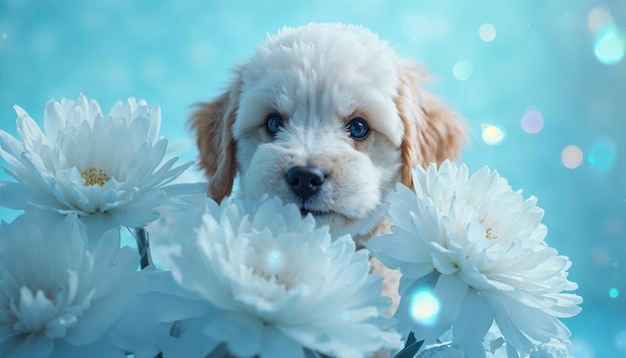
{"x":598,"y":18}
{"x":532,"y":121}
{"x":346,"y":316}
{"x":613,"y":292}
{"x":492,"y":135}
{"x":600,"y":256}
{"x":609,"y":46}
{"x":613,"y":226}
{"x":602,"y":154}
{"x":620,"y":340}
{"x":425,"y":307}
{"x":462,"y":70}
{"x":487,"y":32}
{"x":572,"y":157}
{"x":5,"y":36}
{"x":274,"y":260}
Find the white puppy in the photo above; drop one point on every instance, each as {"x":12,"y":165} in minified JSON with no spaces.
{"x":325,"y":116}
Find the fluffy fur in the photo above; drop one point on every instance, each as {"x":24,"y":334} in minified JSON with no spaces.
{"x":318,"y":77}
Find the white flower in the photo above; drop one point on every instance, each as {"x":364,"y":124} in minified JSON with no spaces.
{"x":57,"y":298}
{"x":552,"y":349}
{"x":85,"y":163}
{"x":477,"y":249}
{"x":156,"y":308}
{"x":280,"y":285}
{"x":441,"y":351}
{"x":496,"y":347}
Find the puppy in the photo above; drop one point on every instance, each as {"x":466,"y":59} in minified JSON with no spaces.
{"x":325,"y":116}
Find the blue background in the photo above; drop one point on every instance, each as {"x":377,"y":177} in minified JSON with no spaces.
{"x":560,"y":58}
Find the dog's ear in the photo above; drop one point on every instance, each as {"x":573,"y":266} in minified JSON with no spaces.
{"x":213,"y":123}
{"x":432,"y":132}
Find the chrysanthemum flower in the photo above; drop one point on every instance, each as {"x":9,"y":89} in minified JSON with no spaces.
{"x":85,"y":163}
{"x":471,"y":250}
{"x":441,"y":351}
{"x":279,"y":285}
{"x":157,"y":308}
{"x":495,"y":346}
{"x":57,"y":299}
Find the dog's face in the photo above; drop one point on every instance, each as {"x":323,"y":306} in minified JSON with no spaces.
{"x":327,"y":117}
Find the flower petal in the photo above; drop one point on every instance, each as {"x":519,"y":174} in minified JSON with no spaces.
{"x":141,"y":210}
{"x":28,"y":346}
{"x":243,"y":333}
{"x":276,"y":344}
{"x":474,"y":319}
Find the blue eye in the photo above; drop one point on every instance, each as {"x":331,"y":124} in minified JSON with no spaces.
{"x":274,"y":123}
{"x":358,"y":129}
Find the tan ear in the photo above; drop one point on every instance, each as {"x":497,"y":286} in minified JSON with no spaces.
{"x":213,"y":123}
{"x":432,"y":132}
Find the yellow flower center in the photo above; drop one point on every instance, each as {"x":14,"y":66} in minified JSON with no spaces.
{"x":94,"y":176}
{"x":489,"y":232}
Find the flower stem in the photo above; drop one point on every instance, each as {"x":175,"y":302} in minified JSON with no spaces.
{"x":145,"y":259}
{"x":143,"y":245}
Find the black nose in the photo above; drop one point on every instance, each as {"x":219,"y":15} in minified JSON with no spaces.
{"x":305,"y":180}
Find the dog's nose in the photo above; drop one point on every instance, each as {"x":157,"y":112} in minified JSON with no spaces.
{"x":305,"y":180}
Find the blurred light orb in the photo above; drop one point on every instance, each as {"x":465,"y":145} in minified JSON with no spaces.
{"x":532,"y":121}
{"x":424,"y":307}
{"x":613,"y":225}
{"x":346,"y":316}
{"x":600,"y":257}
{"x":5,"y":36}
{"x":572,"y":157}
{"x":598,"y":18}
{"x":274,"y":260}
{"x":492,"y":135}
{"x":620,"y":341}
{"x":609,"y":46}
{"x":462,"y":70}
{"x":613,"y":292}
{"x":602,"y":154}
{"x":487,"y":32}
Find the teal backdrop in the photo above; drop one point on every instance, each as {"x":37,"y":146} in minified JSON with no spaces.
{"x":542,"y":84}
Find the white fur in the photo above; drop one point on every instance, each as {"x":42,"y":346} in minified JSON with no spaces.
{"x":318,"y":77}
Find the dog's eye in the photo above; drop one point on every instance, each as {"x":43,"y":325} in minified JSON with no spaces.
{"x":274,"y":123}
{"x":358,"y":128}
